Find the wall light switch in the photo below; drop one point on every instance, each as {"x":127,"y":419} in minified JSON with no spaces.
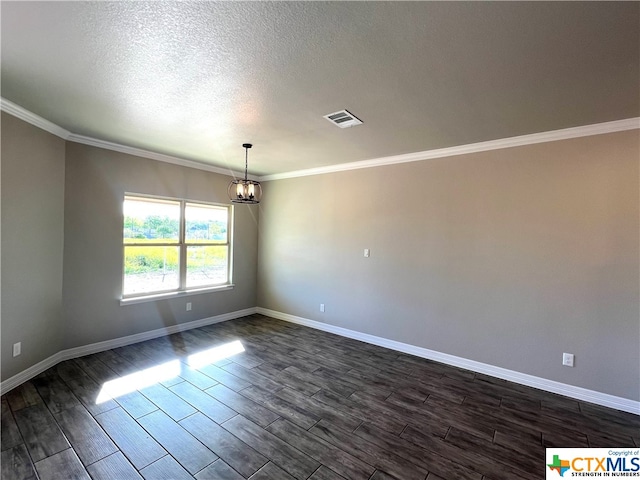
{"x":567,"y":359}
{"x":367,"y":252}
{"x":17,"y":349}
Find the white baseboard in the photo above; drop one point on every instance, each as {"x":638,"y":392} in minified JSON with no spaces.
{"x":76,"y":352}
{"x":579,"y":393}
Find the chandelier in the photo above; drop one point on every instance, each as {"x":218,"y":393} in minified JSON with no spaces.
{"x":245,"y":191}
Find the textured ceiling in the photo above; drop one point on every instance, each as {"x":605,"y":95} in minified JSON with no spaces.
{"x":196,"y":80}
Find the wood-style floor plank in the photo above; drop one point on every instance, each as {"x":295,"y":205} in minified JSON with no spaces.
{"x":196,"y":378}
{"x":137,"y":445}
{"x":240,"y":404}
{"x":115,"y":466}
{"x":136,"y":404}
{"x":608,"y":418}
{"x":292,"y":411}
{"x":601,"y":441}
{"x":168,"y":401}
{"x":529,"y":445}
{"x":10,"y":433}
{"x":231,"y":449}
{"x":352,"y":383}
{"x":431,"y":476}
{"x":470,"y":459}
{"x":225,"y":378}
{"x":319,"y":410}
{"x":136,"y":357}
{"x":24,"y":395}
{"x":298,"y":403}
{"x":522,"y":465}
{"x":571,"y":439}
{"x":215,"y":410}
{"x":380,"y":475}
{"x":290,"y":459}
{"x":218,"y":470}
{"x":41,"y":433}
{"x":324,"y":473}
{"x":247,"y":360}
{"x":339,"y":387}
{"x":253,"y":377}
{"x":165,"y":469}
{"x":368,"y":452}
{"x":393,"y":424}
{"x":83,"y":387}
{"x":16,"y":464}
{"x":95,"y":368}
{"x":121,"y":366}
{"x":286,"y":378}
{"x":271,"y":472}
{"x":458,"y":416}
{"x":325,"y":453}
{"x":65,"y":464}
{"x":182,"y":446}
{"x":55,"y":393}
{"x":85,"y":435}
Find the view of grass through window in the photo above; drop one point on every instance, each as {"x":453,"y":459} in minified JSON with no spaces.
{"x":173,"y":245}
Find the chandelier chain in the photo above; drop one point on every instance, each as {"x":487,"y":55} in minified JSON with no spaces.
{"x":246,"y":162}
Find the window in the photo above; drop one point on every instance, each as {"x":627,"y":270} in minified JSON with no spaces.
{"x":174,"y":245}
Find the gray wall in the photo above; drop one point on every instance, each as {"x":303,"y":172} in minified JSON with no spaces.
{"x":508,"y":257}
{"x":62,"y":245}
{"x":32,"y":243}
{"x":96,"y":181}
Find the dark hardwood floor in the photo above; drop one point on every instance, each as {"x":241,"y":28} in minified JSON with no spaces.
{"x":297,"y":403}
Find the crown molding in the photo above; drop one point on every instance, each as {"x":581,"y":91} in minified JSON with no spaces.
{"x":139,"y":152}
{"x":530,"y":139}
{"x":44,"y":124}
{"x":35,"y":120}
{"x":542,"y":137}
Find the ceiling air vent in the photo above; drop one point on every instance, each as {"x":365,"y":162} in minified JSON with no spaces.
{"x":343,"y":119}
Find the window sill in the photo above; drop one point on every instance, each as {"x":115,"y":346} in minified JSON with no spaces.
{"x":170,"y":295}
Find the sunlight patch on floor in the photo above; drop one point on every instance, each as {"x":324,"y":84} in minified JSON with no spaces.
{"x":144,"y":378}
{"x":215,"y":354}
{"x":165,"y":371}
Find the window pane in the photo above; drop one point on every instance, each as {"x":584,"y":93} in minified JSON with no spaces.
{"x":205,"y":224}
{"x":150,"y":269}
{"x":207,"y":265}
{"x":151,"y":221}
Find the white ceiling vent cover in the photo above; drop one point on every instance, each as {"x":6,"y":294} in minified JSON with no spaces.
{"x":343,"y":119}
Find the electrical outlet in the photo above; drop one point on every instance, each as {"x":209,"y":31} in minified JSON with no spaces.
{"x":17,"y":349}
{"x":367,"y":252}
{"x":188,"y":306}
{"x":567,"y":359}
{"x":322,"y":307}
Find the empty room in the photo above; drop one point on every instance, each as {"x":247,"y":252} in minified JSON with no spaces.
{"x":320,"y":240}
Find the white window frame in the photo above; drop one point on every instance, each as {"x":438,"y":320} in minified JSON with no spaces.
{"x":182,"y":245}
